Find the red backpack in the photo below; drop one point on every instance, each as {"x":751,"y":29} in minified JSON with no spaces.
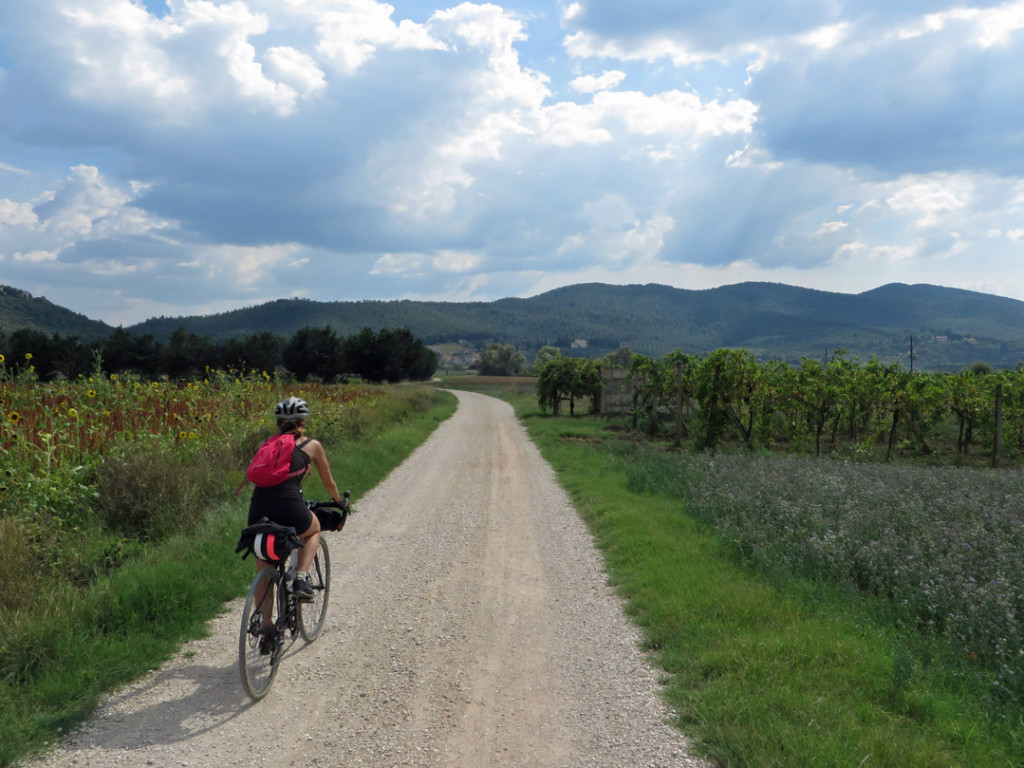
{"x":272,"y":463}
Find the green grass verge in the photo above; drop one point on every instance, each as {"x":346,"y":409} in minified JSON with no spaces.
{"x":89,"y":643}
{"x":759,"y":676}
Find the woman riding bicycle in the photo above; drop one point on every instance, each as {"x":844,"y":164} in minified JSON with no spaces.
{"x":283,"y":503}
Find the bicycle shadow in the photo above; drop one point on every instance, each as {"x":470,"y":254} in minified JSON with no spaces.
{"x":171,"y":705}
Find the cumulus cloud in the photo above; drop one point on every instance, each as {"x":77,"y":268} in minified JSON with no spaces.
{"x":227,"y":151}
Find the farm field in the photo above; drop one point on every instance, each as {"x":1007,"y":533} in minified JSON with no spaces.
{"x":118,"y":519}
{"x":805,"y":611}
{"x":809,"y":611}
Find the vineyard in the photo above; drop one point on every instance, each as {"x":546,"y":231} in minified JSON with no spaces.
{"x":861,"y":410}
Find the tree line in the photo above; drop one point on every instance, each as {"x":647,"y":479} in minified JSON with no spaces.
{"x":310,"y":354}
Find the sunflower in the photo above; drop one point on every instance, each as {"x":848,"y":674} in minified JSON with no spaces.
{"x":1,"y":359}
{"x":14,"y":417}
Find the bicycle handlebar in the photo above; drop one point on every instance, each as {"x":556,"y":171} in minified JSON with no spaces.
{"x":343,"y":505}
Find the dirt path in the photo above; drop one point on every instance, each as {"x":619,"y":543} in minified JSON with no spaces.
{"x":470,"y":626}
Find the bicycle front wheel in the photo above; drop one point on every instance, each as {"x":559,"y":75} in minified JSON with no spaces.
{"x":260,"y":637}
{"x":313,"y":614}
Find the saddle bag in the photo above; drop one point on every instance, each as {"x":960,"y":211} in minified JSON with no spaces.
{"x":268,"y":541}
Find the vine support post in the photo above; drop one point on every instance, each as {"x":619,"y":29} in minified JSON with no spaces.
{"x":997,"y":439}
{"x":679,"y":405}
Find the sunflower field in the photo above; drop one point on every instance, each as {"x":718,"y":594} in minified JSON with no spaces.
{"x":93,"y":468}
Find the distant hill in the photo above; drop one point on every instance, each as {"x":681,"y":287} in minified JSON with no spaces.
{"x":949,"y":328}
{"x":20,"y":309}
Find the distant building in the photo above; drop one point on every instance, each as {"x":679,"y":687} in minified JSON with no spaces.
{"x":457,"y":358}
{"x":579,"y":344}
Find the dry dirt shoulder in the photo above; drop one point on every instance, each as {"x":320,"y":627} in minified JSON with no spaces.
{"x":470,"y":626}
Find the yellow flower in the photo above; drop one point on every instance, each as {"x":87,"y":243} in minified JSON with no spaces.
{"x":73,"y":413}
{"x":28,"y":355}
{"x":1,"y":358}
{"x":91,"y":393}
{"x":14,"y":417}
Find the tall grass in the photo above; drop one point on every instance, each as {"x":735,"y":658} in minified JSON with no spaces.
{"x":141,"y":587}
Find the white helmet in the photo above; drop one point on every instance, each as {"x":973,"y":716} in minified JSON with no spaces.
{"x":292,"y":409}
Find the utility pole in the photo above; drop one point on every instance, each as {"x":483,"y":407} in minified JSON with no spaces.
{"x":911,"y":354}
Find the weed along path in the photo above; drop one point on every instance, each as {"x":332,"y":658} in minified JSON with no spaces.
{"x":470,"y":626}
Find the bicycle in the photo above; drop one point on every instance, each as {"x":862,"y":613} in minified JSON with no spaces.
{"x":273,"y":616}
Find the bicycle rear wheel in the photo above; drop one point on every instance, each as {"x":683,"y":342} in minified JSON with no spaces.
{"x":313,"y":614}
{"x":261,"y":636}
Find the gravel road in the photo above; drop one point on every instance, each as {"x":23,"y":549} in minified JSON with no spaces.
{"x":470,"y":626}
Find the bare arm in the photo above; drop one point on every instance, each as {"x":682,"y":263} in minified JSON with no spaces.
{"x":319,"y":458}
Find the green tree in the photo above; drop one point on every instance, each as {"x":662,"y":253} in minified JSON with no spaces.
{"x":567,"y":378}
{"x":186,"y":354}
{"x":545,"y":355}
{"x":502,"y":360}
{"x":728,"y":382}
{"x":52,"y":356}
{"x":314,"y":353}
{"x":389,"y":355}
{"x":125,"y":352}
{"x":622,"y":357}
{"x":260,"y":352}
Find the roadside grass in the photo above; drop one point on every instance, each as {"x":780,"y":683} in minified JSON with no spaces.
{"x":762,"y":676}
{"x":763,"y":672}
{"x":80,"y":644}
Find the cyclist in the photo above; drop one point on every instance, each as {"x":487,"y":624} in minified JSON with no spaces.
{"x":283,"y":503}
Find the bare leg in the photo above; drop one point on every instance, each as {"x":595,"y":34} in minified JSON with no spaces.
{"x":310,"y":544}
{"x":267,"y":603}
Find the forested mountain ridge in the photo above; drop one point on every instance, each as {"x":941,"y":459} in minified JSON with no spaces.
{"x":949,"y":328}
{"x":20,"y":309}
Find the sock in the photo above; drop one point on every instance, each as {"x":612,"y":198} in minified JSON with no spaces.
{"x":302,"y":575}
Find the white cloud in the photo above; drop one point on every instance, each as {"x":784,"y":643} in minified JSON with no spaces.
{"x":397,"y":264}
{"x":986,"y":27}
{"x":249,"y":266}
{"x":893,"y":253}
{"x":669,"y":113}
{"x":456,"y":261}
{"x":17,"y":214}
{"x":87,"y":206}
{"x":615,"y":236}
{"x":299,"y":71}
{"x":35,"y":257}
{"x":831,"y":227}
{"x":826,"y":37}
{"x":606,"y":81}
{"x":582,"y":45}
{"x":352,"y":31}
{"x":932,"y":198}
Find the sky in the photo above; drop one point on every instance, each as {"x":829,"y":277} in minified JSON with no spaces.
{"x":187,"y":157}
